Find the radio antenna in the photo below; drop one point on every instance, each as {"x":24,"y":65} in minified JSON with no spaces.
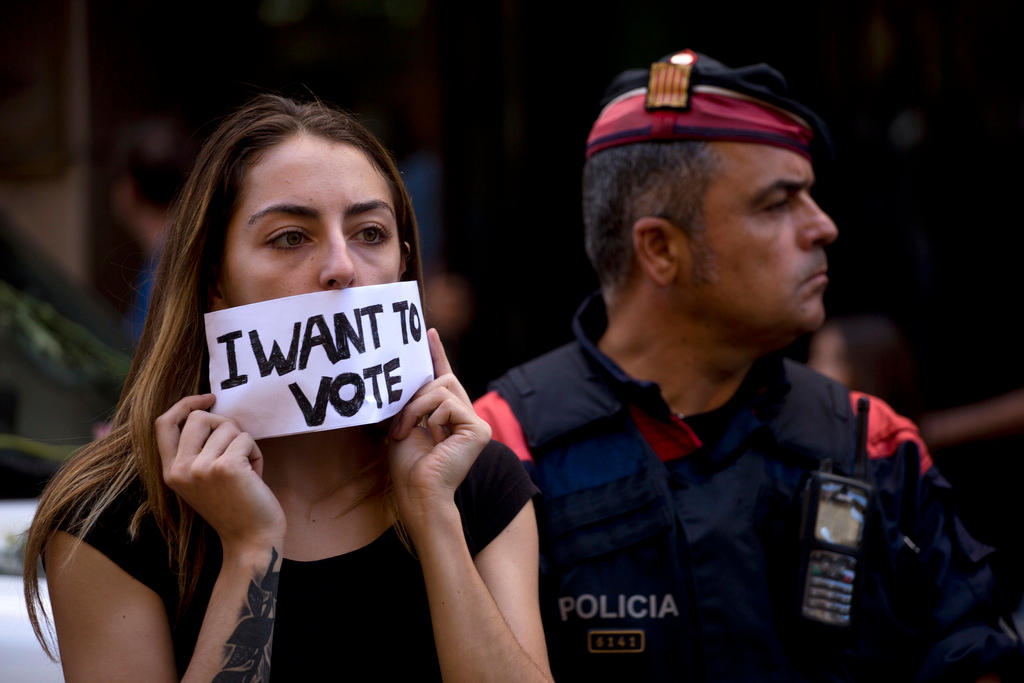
{"x":861,"y":464}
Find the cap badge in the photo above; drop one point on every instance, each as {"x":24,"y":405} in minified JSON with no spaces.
{"x":669,"y":83}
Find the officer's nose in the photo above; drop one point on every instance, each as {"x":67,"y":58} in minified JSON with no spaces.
{"x":819,"y":230}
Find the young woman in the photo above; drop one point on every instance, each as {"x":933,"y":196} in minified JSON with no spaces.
{"x":178,"y":547}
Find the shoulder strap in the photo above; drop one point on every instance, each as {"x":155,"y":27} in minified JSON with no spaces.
{"x":815,"y":418}
{"x":556,"y":394}
{"x":560,"y":392}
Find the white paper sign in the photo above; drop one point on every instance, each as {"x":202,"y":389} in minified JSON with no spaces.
{"x":318,"y":361}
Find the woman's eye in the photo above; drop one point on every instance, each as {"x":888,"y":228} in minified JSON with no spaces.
{"x":288,"y":240}
{"x":372,"y":234}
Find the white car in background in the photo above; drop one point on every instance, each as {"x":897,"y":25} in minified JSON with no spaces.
{"x":22,"y":659}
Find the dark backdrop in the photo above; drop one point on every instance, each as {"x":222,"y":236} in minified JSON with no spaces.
{"x":924,"y":100}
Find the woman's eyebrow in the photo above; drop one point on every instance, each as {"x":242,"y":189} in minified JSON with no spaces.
{"x":367,"y":206}
{"x":289,"y":209}
{"x":308,"y":212}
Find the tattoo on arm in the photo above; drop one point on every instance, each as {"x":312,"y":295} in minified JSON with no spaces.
{"x":247,"y":651}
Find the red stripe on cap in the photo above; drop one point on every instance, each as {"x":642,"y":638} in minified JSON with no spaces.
{"x":711,"y":116}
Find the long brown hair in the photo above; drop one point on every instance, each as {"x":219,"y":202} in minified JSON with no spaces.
{"x":171,"y":360}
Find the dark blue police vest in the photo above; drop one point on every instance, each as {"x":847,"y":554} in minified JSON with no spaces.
{"x":685,"y":570}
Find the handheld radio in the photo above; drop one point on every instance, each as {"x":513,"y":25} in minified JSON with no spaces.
{"x":832,"y":535}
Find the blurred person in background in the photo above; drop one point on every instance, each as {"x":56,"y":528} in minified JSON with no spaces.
{"x":152,"y":156}
{"x":992,"y":418}
{"x":449,"y":297}
{"x":868,"y":353}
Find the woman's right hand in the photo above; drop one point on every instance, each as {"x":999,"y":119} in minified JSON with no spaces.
{"x":218,"y":470}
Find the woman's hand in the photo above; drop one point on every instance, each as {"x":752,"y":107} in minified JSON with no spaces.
{"x":218,"y":470}
{"x":436,"y":438}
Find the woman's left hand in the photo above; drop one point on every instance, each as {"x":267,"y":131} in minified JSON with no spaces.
{"x":435,"y":439}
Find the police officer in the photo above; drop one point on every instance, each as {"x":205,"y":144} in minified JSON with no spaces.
{"x":675,"y":448}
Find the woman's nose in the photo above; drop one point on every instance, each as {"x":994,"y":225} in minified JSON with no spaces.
{"x":337,"y":270}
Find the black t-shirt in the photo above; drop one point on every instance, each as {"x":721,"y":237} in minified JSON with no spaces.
{"x":358,"y":616}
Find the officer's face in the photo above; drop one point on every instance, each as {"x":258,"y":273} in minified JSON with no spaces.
{"x":764,"y":270}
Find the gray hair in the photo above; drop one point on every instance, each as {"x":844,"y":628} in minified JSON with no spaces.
{"x":625,"y":183}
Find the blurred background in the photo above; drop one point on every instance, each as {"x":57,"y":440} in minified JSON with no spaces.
{"x":487,"y":106}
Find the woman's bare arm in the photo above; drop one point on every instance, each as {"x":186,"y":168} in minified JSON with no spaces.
{"x":238,"y":628}
{"x":509,"y":569}
{"x":111,"y":627}
{"x":485,"y":617}
{"x":485,"y":614}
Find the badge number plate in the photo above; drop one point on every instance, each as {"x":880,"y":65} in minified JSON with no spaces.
{"x":615,"y":640}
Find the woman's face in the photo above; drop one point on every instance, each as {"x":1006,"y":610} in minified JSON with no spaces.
{"x":312,"y":215}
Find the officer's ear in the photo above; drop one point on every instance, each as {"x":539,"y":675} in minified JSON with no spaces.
{"x":659,"y":247}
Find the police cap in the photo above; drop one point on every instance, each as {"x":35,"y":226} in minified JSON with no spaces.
{"x":690,"y":96}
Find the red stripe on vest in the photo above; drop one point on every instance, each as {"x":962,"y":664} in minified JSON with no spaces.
{"x":669,"y":440}
{"x":887,"y":430}
{"x":495,"y":411}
